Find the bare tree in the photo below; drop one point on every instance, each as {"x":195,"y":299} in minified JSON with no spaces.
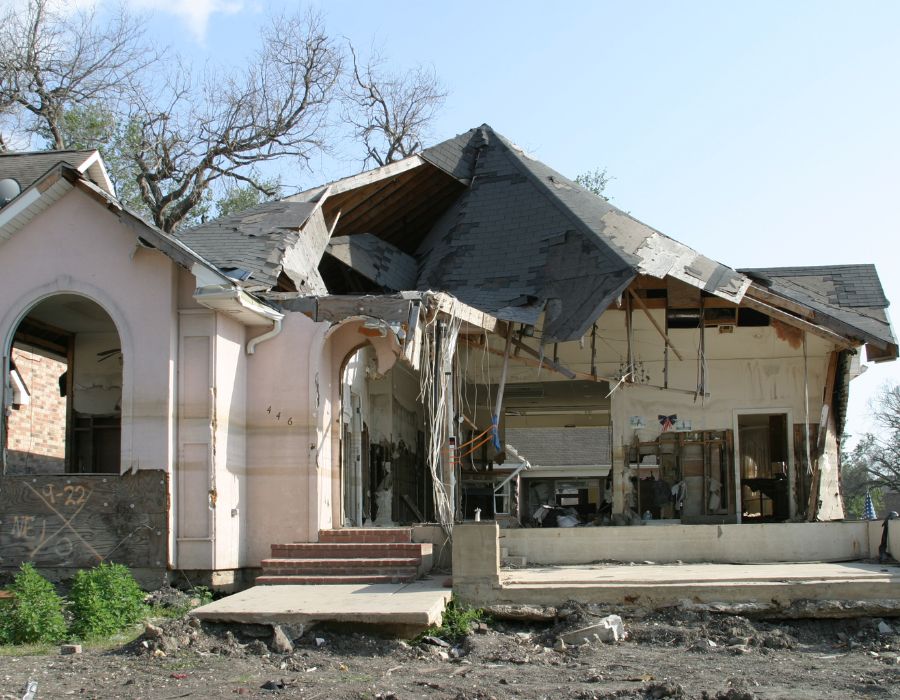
{"x":219,"y":126}
{"x":391,"y":112}
{"x":50,"y":62}
{"x":879,"y":453}
{"x":177,"y":142}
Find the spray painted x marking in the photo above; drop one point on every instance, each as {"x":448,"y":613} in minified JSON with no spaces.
{"x":66,"y":524}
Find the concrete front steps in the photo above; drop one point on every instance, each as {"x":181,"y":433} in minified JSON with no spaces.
{"x":349,"y":556}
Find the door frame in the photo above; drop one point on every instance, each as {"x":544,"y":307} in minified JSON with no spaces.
{"x":789,"y":431}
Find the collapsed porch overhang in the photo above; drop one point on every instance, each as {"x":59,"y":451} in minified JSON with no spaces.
{"x":391,"y":308}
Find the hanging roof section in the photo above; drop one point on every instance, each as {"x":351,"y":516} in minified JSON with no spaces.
{"x":510,"y":237}
{"x":523,"y":240}
{"x":375,"y":259}
{"x":251,"y":246}
{"x":848,"y":299}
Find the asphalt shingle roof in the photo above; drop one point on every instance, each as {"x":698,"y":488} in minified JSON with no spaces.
{"x":255,"y":240}
{"x":26,"y":168}
{"x":523,"y":239}
{"x":848,"y":294}
{"x":376,"y":260}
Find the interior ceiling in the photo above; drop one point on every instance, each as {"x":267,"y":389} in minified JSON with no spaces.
{"x":400,"y":210}
{"x":73,"y":313}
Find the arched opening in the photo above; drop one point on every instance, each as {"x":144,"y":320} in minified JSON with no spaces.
{"x":64,"y":406}
{"x":384,"y":479}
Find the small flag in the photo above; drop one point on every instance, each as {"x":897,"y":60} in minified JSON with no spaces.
{"x":869,"y":509}
{"x":667,"y":422}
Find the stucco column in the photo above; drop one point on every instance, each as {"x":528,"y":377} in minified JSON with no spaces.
{"x":476,"y":561}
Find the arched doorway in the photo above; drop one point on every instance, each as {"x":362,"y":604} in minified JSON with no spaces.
{"x":65,"y":390}
{"x":383,"y":475}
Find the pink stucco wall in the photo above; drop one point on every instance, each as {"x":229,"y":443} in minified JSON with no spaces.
{"x":76,"y":246}
{"x":287,"y":463}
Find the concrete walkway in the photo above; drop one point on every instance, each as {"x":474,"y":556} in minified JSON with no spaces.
{"x":402,"y":608}
{"x":658,"y":585}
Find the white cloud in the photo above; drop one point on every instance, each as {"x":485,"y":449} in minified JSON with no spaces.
{"x":194,"y":13}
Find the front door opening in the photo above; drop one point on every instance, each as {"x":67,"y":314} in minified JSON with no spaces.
{"x":65,"y":390}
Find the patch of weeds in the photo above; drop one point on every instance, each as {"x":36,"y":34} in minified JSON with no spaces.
{"x":34,"y":613}
{"x":185,"y":664}
{"x":201,"y":593}
{"x":355,"y":678}
{"x":177,"y":606}
{"x":456,"y":623}
{"x":104,"y":601}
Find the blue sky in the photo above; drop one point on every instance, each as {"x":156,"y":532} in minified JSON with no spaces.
{"x":762,"y":134}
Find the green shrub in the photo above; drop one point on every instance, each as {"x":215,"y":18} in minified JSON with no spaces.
{"x":456,"y":622}
{"x":34,"y":614}
{"x":104,"y":601}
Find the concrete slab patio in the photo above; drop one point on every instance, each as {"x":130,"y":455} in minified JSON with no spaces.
{"x":401,"y":608}
{"x":661,"y":585}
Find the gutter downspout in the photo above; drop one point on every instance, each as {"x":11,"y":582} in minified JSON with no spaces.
{"x":268,"y":335}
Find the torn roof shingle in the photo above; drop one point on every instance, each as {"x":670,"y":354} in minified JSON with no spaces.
{"x":850,"y":295}
{"x":255,"y":240}
{"x":523,"y":239}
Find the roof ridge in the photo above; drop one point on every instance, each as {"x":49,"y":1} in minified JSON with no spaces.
{"x":518,"y":156}
{"x":47,"y":153}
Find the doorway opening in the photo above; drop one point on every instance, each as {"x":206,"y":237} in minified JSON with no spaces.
{"x":384,"y":480}
{"x":765,"y":467}
{"x":64,"y":385}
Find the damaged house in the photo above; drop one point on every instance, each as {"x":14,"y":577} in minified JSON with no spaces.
{"x":462,"y":334}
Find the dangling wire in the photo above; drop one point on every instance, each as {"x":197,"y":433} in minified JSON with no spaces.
{"x":438,"y":350}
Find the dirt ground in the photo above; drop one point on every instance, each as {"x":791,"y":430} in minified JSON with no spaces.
{"x":675,"y":654}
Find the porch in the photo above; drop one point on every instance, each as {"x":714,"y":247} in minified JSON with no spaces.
{"x":770,"y":567}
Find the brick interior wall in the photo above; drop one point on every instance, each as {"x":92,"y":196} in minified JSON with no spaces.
{"x":36,"y":432}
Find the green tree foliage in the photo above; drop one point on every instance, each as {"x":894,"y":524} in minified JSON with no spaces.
{"x":104,"y":601}
{"x":879,"y":452}
{"x":237,"y":198}
{"x":856,"y":482}
{"x":595,"y":180}
{"x":874,"y":463}
{"x":34,"y":614}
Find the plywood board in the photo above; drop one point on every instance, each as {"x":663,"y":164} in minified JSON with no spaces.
{"x":79,"y":520}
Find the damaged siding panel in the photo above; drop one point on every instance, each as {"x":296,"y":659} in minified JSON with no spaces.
{"x":661,"y":257}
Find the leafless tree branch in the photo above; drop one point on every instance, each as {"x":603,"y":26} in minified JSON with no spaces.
{"x":51,"y":61}
{"x":390,"y":112}
{"x":219,"y":126}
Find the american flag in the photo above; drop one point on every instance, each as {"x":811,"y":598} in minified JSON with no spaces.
{"x":869,"y":508}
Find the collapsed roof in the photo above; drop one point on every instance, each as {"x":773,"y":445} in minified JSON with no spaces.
{"x":477,"y":218}
{"x":523,"y":239}
{"x":847,"y":298}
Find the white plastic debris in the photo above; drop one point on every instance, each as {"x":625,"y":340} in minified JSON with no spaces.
{"x":609,"y":629}
{"x":30,"y":690}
